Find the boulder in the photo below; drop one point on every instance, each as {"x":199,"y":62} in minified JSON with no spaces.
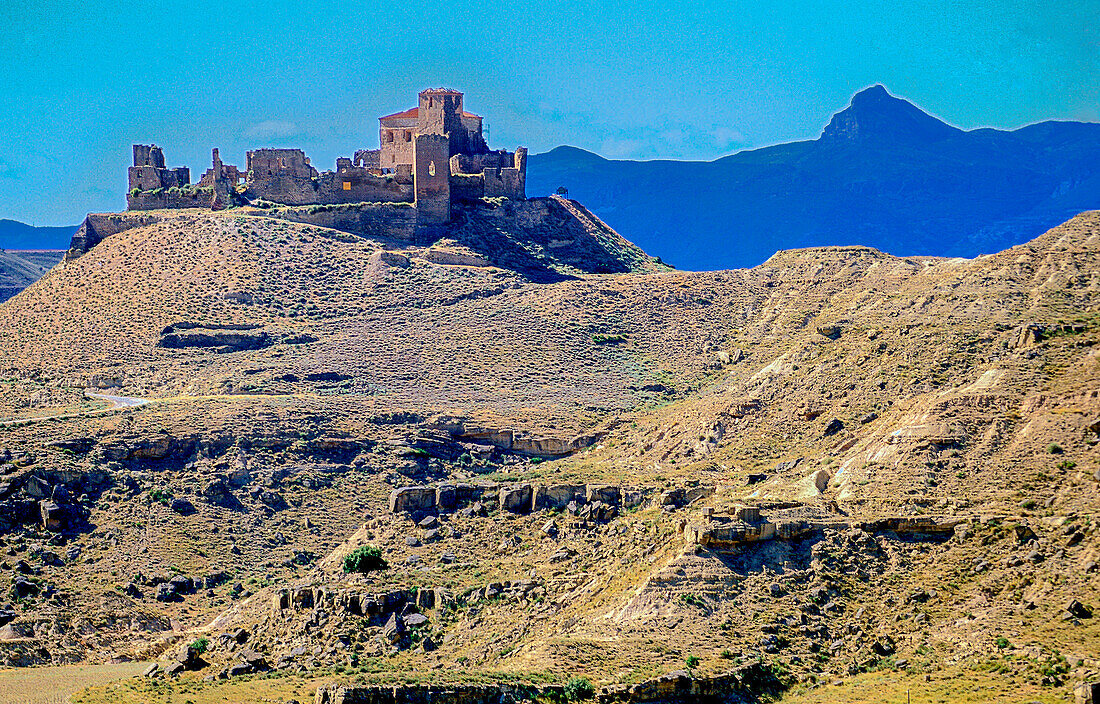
{"x":174,"y":669}
{"x":23,"y":588}
{"x":833,"y":427}
{"x":182,"y":507}
{"x":394,"y":629}
{"x":558,"y":496}
{"x":1024,"y":533}
{"x":254,"y":659}
{"x":407,"y":499}
{"x":1078,"y":610}
{"x":187,"y":656}
{"x":53,"y":515}
{"x":425,"y":599}
{"x":515,"y":499}
{"x":217,"y":491}
{"x":1086,"y":693}
{"x":182,"y":584}
{"x":606,"y":493}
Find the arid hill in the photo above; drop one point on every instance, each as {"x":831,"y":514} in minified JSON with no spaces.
{"x":838,"y":465}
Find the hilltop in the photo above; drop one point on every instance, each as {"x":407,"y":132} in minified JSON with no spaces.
{"x":582,"y":439}
{"x":882,"y":174}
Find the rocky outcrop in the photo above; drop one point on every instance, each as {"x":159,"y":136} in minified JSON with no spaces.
{"x":436,"y":694}
{"x":587,"y":501}
{"x":744,"y":684}
{"x":225,"y":338}
{"x":748,"y":526}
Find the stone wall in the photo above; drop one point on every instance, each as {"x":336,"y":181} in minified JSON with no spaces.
{"x":274,"y":162}
{"x":352,"y":185}
{"x":147,"y":178}
{"x":170,"y":198}
{"x":98,"y":226}
{"x":395,"y":221}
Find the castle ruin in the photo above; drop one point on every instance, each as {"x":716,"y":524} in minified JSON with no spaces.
{"x":430,"y":156}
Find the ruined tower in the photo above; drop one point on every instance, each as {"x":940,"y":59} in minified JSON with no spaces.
{"x":432,"y":176}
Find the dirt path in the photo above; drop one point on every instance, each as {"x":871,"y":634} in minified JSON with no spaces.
{"x":117,"y":403}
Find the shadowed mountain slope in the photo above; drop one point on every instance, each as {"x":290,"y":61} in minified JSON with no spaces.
{"x":883,"y":174}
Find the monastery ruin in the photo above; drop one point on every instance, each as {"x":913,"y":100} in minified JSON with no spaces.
{"x":431,"y":156}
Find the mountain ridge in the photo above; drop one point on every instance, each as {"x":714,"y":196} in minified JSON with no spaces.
{"x":20,"y":235}
{"x":882,"y":173}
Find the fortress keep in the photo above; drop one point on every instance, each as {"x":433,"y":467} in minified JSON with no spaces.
{"x":432,"y":155}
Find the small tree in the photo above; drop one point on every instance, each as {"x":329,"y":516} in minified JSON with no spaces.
{"x":692,"y":662}
{"x":562,"y":191}
{"x":364,"y":559}
{"x":201,"y":645}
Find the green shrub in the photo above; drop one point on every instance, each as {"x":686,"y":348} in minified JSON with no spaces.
{"x":691,"y":662}
{"x":601,"y":339}
{"x":578,"y":688}
{"x":1054,"y":449}
{"x":1002,"y":642}
{"x":160,"y":496}
{"x":200,"y":645}
{"x":364,"y":559}
{"x":1066,"y":465}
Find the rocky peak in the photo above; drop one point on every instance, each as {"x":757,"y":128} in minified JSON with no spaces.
{"x":875,"y":115}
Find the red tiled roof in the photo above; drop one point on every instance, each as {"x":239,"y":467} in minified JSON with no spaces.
{"x":413,"y":113}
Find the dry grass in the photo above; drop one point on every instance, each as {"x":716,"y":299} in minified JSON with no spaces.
{"x":953,"y":686}
{"x":54,"y":685}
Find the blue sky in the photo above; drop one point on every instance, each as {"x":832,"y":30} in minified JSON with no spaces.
{"x":693,"y":80}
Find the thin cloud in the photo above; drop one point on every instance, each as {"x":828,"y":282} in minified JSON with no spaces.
{"x":272,"y":129}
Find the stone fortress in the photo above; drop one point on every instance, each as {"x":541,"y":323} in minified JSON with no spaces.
{"x":430,"y":156}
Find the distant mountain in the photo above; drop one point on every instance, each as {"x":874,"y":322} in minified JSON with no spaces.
{"x":21,"y":268}
{"x":18,"y":235}
{"x":883,"y":174}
